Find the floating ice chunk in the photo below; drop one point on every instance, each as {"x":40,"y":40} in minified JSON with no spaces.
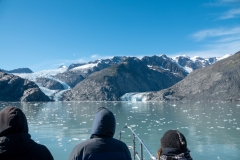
{"x":220,"y":127}
{"x":75,"y":139}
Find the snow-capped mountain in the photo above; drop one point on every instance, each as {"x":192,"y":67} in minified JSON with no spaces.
{"x":192,"y":63}
{"x":218,"y":82}
{"x":78,"y":71}
{"x":55,"y":82}
{"x":95,"y":65}
{"x":185,"y":62}
{"x":109,"y":84}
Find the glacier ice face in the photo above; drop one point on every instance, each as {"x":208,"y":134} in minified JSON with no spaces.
{"x":134,"y":97}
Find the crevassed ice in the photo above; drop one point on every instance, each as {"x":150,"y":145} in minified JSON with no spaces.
{"x":134,"y":97}
{"x":188,"y":69}
{"x":54,"y":94}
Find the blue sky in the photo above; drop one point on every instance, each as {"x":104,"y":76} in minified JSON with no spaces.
{"x":44,"y":34}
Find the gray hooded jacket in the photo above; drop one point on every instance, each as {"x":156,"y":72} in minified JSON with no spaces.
{"x":102,"y":145}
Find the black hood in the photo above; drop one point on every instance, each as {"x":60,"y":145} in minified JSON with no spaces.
{"x":14,"y":137}
{"x":104,"y":124}
{"x":12,"y":121}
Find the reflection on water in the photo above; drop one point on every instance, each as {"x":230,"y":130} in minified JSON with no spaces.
{"x":212,"y":129}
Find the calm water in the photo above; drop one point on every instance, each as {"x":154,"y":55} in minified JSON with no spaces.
{"x":212,"y":130}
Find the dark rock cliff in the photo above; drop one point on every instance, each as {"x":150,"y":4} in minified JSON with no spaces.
{"x":166,"y":63}
{"x":14,"y":88}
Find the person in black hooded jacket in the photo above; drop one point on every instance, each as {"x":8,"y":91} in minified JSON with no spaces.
{"x":102,"y":145}
{"x":15,"y":141}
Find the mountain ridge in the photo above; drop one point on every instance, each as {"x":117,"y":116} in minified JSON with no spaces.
{"x":55,"y":82}
{"x":219,"y":81}
{"x":111,"y":83}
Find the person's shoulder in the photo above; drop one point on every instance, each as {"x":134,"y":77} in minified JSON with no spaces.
{"x":42,"y":150}
{"x":83,"y":144}
{"x":119,"y":143}
{"x":80,"y":148}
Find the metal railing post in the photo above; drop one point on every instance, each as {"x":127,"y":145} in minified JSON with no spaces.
{"x":142,"y":145}
{"x":134,"y":147}
{"x":141,"y":150}
{"x":120,"y":135}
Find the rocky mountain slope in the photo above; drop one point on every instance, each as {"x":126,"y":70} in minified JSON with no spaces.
{"x":14,"y":88}
{"x":220,"y":81}
{"x":109,"y":84}
{"x":164,"y":63}
{"x":79,"y":71}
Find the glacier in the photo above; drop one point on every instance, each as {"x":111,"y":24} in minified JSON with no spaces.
{"x":52,"y":94}
{"x":135,"y":97}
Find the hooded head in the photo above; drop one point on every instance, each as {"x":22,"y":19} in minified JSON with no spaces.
{"x":104,"y":124}
{"x":12,"y":120}
{"x":174,"y":139}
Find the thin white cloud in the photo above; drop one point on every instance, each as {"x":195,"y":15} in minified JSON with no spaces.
{"x":94,"y":56}
{"x":233,"y":13}
{"x":200,"y":35}
{"x":214,"y":50}
{"x":229,"y":39}
{"x":53,"y":64}
{"x":218,"y":3}
{"x":229,"y":0}
{"x":219,"y":42}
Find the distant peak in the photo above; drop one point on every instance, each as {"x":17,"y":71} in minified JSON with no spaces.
{"x":62,"y":66}
{"x":223,"y":57}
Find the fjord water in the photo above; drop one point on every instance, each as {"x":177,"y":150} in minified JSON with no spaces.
{"x":212,"y":129}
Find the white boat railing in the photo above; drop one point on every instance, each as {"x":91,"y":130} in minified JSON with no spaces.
{"x":142,"y":145}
